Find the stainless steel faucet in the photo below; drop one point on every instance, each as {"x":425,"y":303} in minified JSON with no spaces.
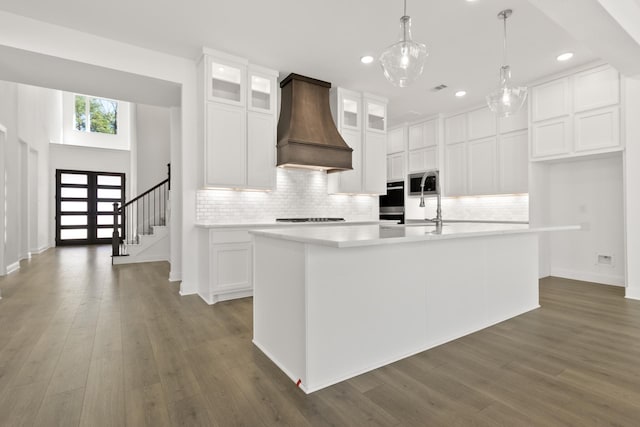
{"x":435,"y":173}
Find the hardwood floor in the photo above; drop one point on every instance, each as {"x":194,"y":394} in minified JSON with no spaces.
{"x":85,"y":343}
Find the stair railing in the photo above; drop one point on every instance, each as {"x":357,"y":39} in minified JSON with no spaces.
{"x":140,"y":214}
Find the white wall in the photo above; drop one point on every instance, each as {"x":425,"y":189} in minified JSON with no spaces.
{"x":631,"y":130}
{"x":153,"y":134}
{"x":588,"y":192}
{"x":29,"y":114}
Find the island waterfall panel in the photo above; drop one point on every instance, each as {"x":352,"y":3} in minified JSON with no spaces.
{"x":325,"y":314}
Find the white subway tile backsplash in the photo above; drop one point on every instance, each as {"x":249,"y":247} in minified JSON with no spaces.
{"x":299,"y":193}
{"x":302,"y":193}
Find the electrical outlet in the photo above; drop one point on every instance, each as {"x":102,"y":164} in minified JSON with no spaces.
{"x":605,"y":259}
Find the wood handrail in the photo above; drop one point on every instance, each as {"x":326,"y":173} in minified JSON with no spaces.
{"x":144,"y":194}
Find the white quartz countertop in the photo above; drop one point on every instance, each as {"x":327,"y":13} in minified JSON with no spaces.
{"x":369,"y":235}
{"x":274,"y":224}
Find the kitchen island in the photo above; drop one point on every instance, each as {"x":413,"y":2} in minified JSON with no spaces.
{"x":331,"y":303}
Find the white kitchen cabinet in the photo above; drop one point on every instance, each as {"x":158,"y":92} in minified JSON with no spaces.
{"x":231,"y":267}
{"x":479,"y":156}
{"x":226,"y":79}
{"x":482,"y":162}
{"x":367,"y":136}
{"x":551,"y":138}
{"x":423,"y":134}
{"x":375,"y":159}
{"x":550,"y":100}
{"x":597,"y":129}
{"x":481,"y":123}
{"x":455,"y":129}
{"x":576,"y":115}
{"x":376,"y":114}
{"x":262,"y":90}
{"x":261,"y":134}
{"x":349,"y":181}
{"x":595,"y":88}
{"x":238,"y":111}
{"x":395,"y":140}
{"x":455,"y":180}
{"x":423,"y":160}
{"x":226,"y":149}
{"x":346,"y":107}
{"x":395,"y":167}
{"x":513,"y":158}
{"x":228,"y":272}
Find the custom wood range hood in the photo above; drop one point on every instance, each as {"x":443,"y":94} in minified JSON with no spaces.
{"x":307,"y":135}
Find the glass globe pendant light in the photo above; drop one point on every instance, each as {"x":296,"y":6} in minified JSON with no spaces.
{"x":402,"y":62}
{"x":507,"y":99}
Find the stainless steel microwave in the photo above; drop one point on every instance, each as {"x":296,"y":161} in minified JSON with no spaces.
{"x":430,"y":184}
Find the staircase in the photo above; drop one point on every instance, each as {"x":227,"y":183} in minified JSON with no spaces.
{"x":145,"y":229}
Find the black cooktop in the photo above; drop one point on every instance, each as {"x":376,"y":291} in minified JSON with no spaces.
{"x":309,"y":219}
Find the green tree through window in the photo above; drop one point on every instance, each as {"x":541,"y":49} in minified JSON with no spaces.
{"x":102,"y":115}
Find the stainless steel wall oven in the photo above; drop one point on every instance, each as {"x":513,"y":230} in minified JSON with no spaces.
{"x":392,"y":203}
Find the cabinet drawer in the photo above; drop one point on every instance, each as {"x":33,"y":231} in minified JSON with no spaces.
{"x":229,"y":236}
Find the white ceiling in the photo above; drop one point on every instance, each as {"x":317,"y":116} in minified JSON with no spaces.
{"x":325,"y":39}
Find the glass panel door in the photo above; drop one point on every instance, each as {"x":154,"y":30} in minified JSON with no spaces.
{"x":84,"y":206}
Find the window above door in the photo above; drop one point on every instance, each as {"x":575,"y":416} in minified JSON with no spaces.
{"x":91,"y":121}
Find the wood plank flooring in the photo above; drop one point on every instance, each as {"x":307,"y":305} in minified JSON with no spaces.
{"x":85,"y":343}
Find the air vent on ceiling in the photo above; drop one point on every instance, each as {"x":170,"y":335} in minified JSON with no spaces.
{"x":439,"y":88}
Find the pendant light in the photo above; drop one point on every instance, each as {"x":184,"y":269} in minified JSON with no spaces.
{"x":402,"y":62}
{"x":507,"y":99}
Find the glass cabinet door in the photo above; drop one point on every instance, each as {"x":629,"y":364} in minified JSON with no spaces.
{"x":376,"y":116}
{"x":227,"y":82}
{"x":262,"y":92}
{"x":350,"y":112}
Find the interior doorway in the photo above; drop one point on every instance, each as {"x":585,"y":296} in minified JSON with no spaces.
{"x":84,"y":206}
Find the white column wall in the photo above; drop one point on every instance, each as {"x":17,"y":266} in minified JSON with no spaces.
{"x":631,"y":132}
{"x":153,"y":129}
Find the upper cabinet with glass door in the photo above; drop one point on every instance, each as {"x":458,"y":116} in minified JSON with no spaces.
{"x":376,"y":110}
{"x":262,"y":89}
{"x":349,"y":111}
{"x":227,"y":79}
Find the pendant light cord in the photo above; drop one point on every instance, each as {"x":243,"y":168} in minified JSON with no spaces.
{"x":405,"y":8}
{"x":504,"y":46}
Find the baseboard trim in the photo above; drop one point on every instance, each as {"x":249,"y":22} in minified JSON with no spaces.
{"x":41,"y":249}
{"x":632,"y":293}
{"x":586,"y":276}
{"x":175,"y":276}
{"x":122,"y":260}
{"x":12,"y":268}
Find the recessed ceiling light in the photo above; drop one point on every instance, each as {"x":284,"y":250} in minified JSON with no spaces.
{"x":367,"y":59}
{"x":565,"y":56}
{"x":461,"y":93}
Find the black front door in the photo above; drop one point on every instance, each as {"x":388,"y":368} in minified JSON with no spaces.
{"x":84,"y":206}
